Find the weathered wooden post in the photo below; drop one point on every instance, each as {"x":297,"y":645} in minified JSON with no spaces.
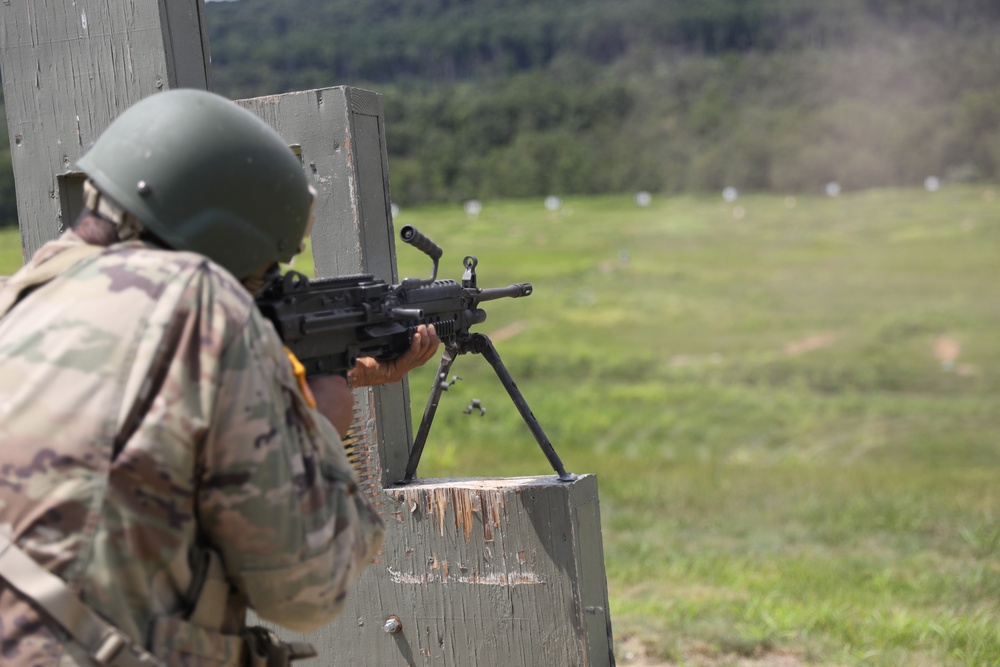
{"x":474,"y":572}
{"x":69,"y":68}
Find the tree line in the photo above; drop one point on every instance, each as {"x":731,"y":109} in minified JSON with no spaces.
{"x":519,"y":98}
{"x":515,"y":98}
{"x":258,"y":45}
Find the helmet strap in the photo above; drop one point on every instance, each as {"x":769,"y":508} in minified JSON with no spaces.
{"x":95,"y":230}
{"x":105,"y":207}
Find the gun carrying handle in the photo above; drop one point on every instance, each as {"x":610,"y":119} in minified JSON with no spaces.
{"x":410,"y":234}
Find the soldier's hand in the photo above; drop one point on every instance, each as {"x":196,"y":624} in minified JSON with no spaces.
{"x":334,"y":400}
{"x":422,"y":349}
{"x":370,"y":372}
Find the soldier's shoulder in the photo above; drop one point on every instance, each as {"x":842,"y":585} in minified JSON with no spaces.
{"x":158,"y":266}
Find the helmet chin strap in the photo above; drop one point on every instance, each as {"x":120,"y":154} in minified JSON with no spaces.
{"x":127,"y":225}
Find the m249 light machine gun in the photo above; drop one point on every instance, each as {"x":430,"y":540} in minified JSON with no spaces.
{"x":329,"y":322}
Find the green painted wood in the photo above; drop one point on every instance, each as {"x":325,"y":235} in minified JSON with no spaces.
{"x":69,"y":68}
{"x":340,"y":135}
{"x":481,"y":572}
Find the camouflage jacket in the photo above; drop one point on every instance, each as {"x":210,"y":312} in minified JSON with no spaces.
{"x":148,"y":418}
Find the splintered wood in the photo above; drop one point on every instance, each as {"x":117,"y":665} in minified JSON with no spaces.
{"x":484,"y":568}
{"x":485,"y":572}
{"x":466,"y":502}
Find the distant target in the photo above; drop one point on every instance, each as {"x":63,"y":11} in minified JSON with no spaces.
{"x":473,"y":208}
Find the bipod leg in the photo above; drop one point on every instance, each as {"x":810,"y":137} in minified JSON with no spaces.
{"x":440,"y":384}
{"x":481,"y":344}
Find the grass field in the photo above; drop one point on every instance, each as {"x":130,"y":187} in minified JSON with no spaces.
{"x":10,"y":251}
{"x":791,"y":405}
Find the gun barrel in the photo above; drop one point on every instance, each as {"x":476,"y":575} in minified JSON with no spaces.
{"x":511,"y":291}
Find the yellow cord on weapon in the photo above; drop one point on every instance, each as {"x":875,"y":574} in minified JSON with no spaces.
{"x":300,"y":374}
{"x":353,"y":438}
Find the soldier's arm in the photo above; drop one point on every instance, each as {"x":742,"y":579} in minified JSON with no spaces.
{"x":278,"y":498}
{"x":334,"y":400}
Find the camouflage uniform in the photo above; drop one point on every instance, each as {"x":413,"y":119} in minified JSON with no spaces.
{"x":148,"y":419}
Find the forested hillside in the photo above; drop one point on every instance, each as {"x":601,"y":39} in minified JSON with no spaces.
{"x":490,"y":98}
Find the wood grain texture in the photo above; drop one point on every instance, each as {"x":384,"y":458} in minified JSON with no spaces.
{"x":340,"y":135}
{"x":69,"y":68}
{"x":481,"y":572}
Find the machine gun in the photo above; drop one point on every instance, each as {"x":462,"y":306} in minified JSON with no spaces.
{"x":329,"y":322}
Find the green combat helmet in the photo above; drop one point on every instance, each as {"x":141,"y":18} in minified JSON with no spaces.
{"x":205,"y":175}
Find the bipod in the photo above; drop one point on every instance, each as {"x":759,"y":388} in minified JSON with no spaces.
{"x":479,"y":344}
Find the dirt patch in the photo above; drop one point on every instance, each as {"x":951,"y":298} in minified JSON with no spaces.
{"x":817,"y":342}
{"x":946,"y":351}
{"x":509,"y":331}
{"x":632,"y":652}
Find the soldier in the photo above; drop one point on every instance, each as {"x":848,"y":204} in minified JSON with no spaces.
{"x":162,"y":468}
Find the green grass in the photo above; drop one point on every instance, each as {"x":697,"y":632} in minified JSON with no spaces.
{"x":10,"y":250}
{"x":785,"y":465}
